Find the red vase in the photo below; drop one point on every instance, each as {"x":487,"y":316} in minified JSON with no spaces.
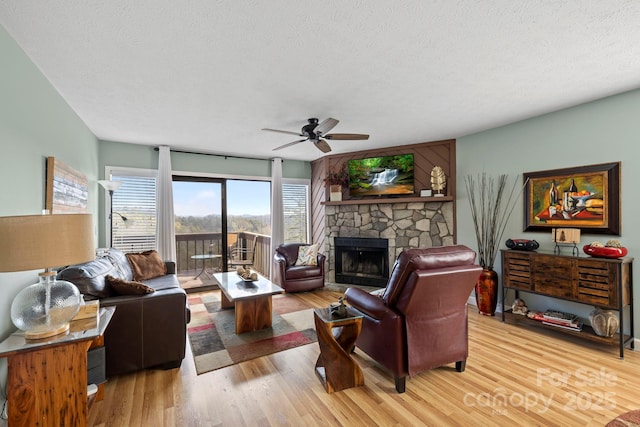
{"x":487,"y":292}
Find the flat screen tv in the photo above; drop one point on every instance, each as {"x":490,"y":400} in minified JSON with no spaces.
{"x":381,"y":176}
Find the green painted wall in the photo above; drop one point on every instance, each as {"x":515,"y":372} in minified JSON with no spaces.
{"x":607,"y":130}
{"x":144,"y":156}
{"x":35,"y":122}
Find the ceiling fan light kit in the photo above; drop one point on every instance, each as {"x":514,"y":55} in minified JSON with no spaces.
{"x":316,"y":132}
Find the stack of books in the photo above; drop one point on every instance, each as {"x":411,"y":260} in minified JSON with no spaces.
{"x":558,"y":319}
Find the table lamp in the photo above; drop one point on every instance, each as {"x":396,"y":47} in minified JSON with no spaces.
{"x":31,"y":242}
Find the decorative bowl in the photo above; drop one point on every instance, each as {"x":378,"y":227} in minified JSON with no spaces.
{"x":604,"y":252}
{"x":581,"y":198}
{"x":248,"y":277}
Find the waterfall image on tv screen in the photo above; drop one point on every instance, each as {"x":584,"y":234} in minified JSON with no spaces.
{"x":378,"y":176}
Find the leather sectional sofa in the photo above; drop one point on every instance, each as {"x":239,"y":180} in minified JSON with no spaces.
{"x":147,"y":330}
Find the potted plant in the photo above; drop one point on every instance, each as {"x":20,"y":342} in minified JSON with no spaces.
{"x":491,"y":208}
{"x":337,"y":177}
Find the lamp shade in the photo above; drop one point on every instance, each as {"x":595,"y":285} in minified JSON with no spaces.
{"x":110,"y":185}
{"x":33,"y":242}
{"x":45,"y":241}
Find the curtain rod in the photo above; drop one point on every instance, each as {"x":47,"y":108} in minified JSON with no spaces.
{"x":226,"y":156}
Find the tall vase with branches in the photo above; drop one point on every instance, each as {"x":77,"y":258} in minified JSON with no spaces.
{"x":491,"y":201}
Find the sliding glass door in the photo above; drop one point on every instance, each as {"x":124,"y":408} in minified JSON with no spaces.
{"x":221,"y":224}
{"x":199,"y":223}
{"x":248,"y":210}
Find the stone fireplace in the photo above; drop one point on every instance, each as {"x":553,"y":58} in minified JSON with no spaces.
{"x":404,"y":225}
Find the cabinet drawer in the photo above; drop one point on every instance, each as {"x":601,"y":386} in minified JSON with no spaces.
{"x":552,"y":276}
{"x":596,"y":283}
{"x":517,"y":270}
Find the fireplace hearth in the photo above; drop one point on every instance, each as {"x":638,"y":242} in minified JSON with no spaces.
{"x":362,"y":261}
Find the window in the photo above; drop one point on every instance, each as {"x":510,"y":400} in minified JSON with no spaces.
{"x":295,"y":206}
{"x":134,"y":210}
{"x":135,"y":214}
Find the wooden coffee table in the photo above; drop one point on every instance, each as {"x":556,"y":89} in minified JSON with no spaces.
{"x":251,"y":300}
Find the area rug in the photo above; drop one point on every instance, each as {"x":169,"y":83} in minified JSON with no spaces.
{"x":628,"y":419}
{"x":215,"y":344}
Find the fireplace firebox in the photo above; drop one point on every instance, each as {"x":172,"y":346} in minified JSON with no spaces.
{"x":362,"y":261}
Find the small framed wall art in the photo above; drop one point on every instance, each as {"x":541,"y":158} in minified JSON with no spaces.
{"x":67,"y":190}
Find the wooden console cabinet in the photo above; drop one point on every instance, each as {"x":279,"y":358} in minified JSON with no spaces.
{"x":599,"y":282}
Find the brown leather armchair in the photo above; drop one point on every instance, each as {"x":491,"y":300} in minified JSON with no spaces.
{"x":420,"y":321}
{"x":297,"y":278}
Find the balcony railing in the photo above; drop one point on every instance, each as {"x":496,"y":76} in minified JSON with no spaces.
{"x":190,"y":244}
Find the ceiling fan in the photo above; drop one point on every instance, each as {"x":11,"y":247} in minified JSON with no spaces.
{"x":317,"y":133}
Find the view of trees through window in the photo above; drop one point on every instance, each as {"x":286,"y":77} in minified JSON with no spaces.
{"x":260,"y":224}
{"x":198,"y":207}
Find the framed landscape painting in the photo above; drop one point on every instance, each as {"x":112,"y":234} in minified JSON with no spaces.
{"x":585,"y":197}
{"x":67,"y":189}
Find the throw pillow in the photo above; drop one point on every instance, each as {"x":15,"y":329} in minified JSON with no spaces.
{"x":146,"y":265}
{"x":89,"y":277}
{"x":307,"y":255}
{"x":378,"y":292}
{"x":127,"y":287}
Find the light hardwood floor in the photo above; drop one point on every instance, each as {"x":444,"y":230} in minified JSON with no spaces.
{"x":514,"y":376}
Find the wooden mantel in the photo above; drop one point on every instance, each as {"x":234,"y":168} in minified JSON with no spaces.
{"x":382,"y":200}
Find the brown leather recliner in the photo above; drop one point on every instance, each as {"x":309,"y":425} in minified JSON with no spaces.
{"x":297,"y":278}
{"x":420,"y":321}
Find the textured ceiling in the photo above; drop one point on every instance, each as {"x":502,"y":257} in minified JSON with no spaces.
{"x":207,"y":75}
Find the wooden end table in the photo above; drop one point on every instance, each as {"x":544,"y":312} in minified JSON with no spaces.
{"x":335,"y":367}
{"x":47,"y":379}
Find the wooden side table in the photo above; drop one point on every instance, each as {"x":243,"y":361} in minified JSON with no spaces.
{"x":47,"y":379}
{"x":335,"y":367}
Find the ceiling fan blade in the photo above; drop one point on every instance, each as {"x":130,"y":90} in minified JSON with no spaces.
{"x":347,"y":136}
{"x":325,"y":126}
{"x":283,"y":131}
{"x":322,"y":145}
{"x":289,"y":144}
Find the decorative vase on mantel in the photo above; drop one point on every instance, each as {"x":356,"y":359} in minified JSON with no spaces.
{"x":335,"y":193}
{"x":487,"y":292}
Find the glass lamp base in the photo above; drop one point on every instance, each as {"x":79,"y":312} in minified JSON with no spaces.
{"x":45,"y":309}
